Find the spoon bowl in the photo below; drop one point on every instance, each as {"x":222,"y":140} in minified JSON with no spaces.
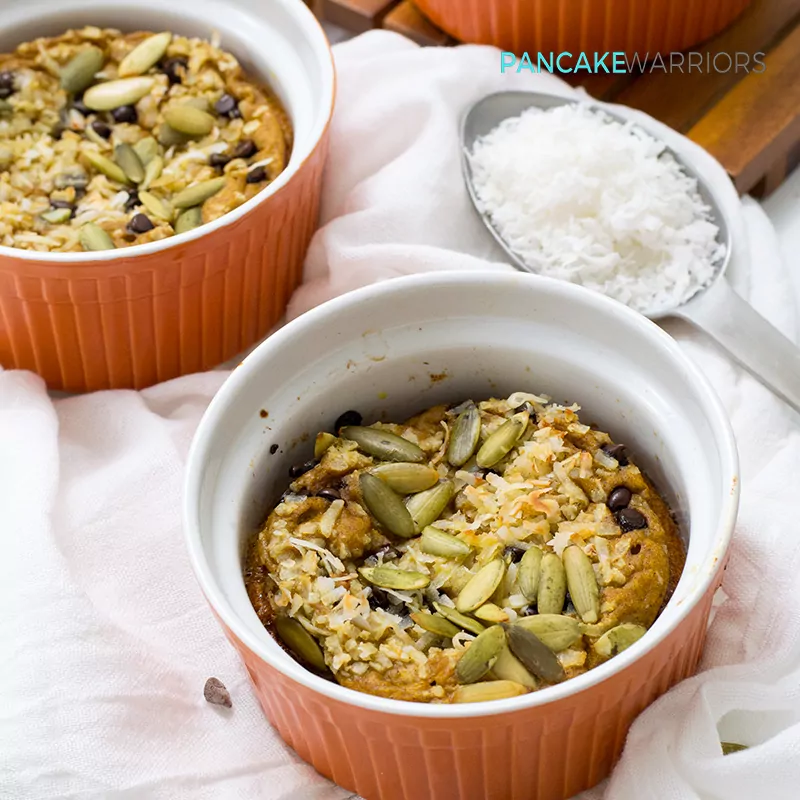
{"x":715,"y":307}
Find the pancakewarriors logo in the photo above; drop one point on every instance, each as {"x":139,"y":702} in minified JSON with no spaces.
{"x":567,"y":63}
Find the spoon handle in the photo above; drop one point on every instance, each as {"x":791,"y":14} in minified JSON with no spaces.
{"x":749,"y":339}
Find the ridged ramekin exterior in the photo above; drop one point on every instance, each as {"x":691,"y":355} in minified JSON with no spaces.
{"x":135,"y":321}
{"x":549,"y":752}
{"x":630,"y":26}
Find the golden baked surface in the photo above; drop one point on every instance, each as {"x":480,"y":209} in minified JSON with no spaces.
{"x":110,"y":139}
{"x":496,"y":548}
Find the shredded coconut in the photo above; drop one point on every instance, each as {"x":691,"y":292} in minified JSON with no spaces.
{"x":580,"y":196}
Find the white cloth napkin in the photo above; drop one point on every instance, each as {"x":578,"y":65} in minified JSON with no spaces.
{"x":106,"y":639}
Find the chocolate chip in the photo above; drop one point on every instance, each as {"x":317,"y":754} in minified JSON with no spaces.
{"x":173,"y":67}
{"x":619,"y":498}
{"x":140,"y":223}
{"x":215,"y":693}
{"x":300,"y":469}
{"x":616,"y":451}
{"x":124,"y":114}
{"x":256,"y":175}
{"x":226,"y":104}
{"x":245,"y":149}
{"x":329,"y":494}
{"x":6,"y":84}
{"x":132,"y":201}
{"x":347,"y":419}
{"x":273,"y":449}
{"x":514,"y":553}
{"x":629,"y":519}
{"x":218,"y":160}
{"x":80,"y":107}
{"x":636,"y":549}
{"x":101,"y":129}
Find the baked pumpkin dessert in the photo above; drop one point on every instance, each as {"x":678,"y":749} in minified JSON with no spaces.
{"x":109,"y":139}
{"x":473,"y":552}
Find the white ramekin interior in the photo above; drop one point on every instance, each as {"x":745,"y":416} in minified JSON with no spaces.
{"x":398,"y":347}
{"x":277,"y":40}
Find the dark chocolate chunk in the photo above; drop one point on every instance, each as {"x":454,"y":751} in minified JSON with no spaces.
{"x":256,"y":175}
{"x":300,"y":469}
{"x":173,"y":68}
{"x":215,"y":693}
{"x":140,"y":223}
{"x":619,"y":498}
{"x":616,"y":451}
{"x":101,"y":129}
{"x":245,"y":149}
{"x":7,"y":87}
{"x":629,"y":519}
{"x":124,"y":114}
{"x":348,"y":418}
{"x":226,"y":105}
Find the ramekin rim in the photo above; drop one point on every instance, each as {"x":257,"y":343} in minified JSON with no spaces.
{"x":100,"y":259}
{"x":333,"y":691}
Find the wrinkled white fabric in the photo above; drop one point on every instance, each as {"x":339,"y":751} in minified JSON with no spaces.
{"x":106,"y":639}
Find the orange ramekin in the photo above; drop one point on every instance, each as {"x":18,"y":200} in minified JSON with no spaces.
{"x":388,"y":351}
{"x":133,"y":317}
{"x":589,"y":26}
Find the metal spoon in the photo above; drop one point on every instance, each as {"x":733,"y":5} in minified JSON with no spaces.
{"x":716,"y":309}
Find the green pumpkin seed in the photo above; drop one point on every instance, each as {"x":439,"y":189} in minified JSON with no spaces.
{"x":732,"y":747}
{"x":79,"y":72}
{"x":126,"y":158}
{"x":464,"y":436}
{"x":6,"y":109}
{"x":152,"y":171}
{"x":169,"y":137}
{"x":112,"y":94}
{"x":489,"y":612}
{"x":552,"y":585}
{"x":300,"y":642}
{"x":435,"y":624}
{"x":146,"y":149}
{"x":426,"y":507}
{"x":55,"y":216}
{"x":188,"y":220}
{"x":386,"y":506}
{"x":486,"y":691}
{"x":106,"y":166}
{"x":509,"y":668}
{"x":382,"y":444}
{"x":481,"y":654}
{"x":393,"y":578}
{"x":462,"y":620}
{"x":481,"y":586}
{"x":145,"y":55}
{"x":406,"y":478}
{"x":582,"y":583}
{"x":438,"y":543}
{"x":197,"y":102}
{"x":554,"y":630}
{"x":323,"y":440}
{"x":76,"y":178}
{"x":529,"y":572}
{"x":189,"y":121}
{"x":618,"y":639}
{"x":198,"y":193}
{"x":155,"y":206}
{"x":499,"y":444}
{"x":93,"y":237}
{"x":537,"y":658}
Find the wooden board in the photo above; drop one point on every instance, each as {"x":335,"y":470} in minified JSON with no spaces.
{"x":749,"y":122}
